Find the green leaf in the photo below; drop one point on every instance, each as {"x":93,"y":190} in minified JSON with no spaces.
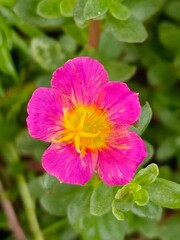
{"x":118,"y":214}
{"x":165,"y":193}
{"x":119,"y":11}
{"x":144,"y":9}
{"x":6,"y":63}
{"x":79,"y":12}
{"x":68,"y":44}
{"x":105,"y":227}
{"x":6,"y":33}
{"x":169,"y":35}
{"x":27,"y":10}
{"x":7,"y":3}
{"x":48,"y":9}
{"x":36,"y":187}
{"x":119,"y":71}
{"x":144,"y":119}
{"x":78,"y":34}
{"x":109,"y":47}
{"x":1,"y":38}
{"x":95,"y":8}
{"x":78,"y":209}
{"x":57,"y":198}
{"x":150,"y":151}
{"x":101,"y":199}
{"x":67,"y":7}
{"x":123,"y":205}
{"x":151,"y":211}
{"x":47,"y":52}
{"x":147,"y":175}
{"x":141,"y":197}
{"x":130,"y":30}
{"x":25,"y":144}
{"x":172,"y":9}
{"x":167,"y":149}
{"x":48,"y":181}
{"x":124,"y":198}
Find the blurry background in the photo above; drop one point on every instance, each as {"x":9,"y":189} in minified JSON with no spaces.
{"x":137,"y":40}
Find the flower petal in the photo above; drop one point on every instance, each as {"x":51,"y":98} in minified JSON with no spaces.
{"x":117,"y":166}
{"x":121,"y":103}
{"x":65,"y":164}
{"x":44,"y":114}
{"x":79,"y":80}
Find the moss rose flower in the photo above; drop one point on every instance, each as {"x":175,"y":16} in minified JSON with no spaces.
{"x":86,"y":119}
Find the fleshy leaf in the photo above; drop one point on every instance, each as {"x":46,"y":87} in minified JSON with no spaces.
{"x":144,"y":9}
{"x":47,"y":52}
{"x":119,"y":11}
{"x":165,"y":193}
{"x":101,"y":199}
{"x":67,"y":7}
{"x":172,"y":9}
{"x":148,"y":211}
{"x":27,"y":10}
{"x":118,"y":214}
{"x":119,"y":71}
{"x":78,"y":209}
{"x":147,"y":175}
{"x":79,"y":12}
{"x":169,"y":35}
{"x":95,"y":8}
{"x":130,"y":30}
{"x":55,"y":200}
{"x":141,"y":197}
{"x":49,"y":9}
{"x":144,"y":120}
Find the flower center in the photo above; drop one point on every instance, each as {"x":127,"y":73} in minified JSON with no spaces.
{"x":87,"y":127}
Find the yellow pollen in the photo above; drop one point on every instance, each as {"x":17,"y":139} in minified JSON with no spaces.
{"x":87,"y":127}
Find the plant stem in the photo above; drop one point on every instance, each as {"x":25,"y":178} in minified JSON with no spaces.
{"x":10,"y":155}
{"x":94,"y":34}
{"x":13,"y":222}
{"x":29,"y":207}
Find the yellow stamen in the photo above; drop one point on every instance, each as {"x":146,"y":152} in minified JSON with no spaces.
{"x":87,"y":127}
{"x":77,"y":143}
{"x":89,"y":135}
{"x":65,"y":138}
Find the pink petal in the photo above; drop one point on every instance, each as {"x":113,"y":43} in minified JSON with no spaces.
{"x":44,"y":113}
{"x":122,"y":104}
{"x":65,"y":164}
{"x":117,"y":166}
{"x":79,"y":80}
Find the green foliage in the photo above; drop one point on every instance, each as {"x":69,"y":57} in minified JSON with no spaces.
{"x":46,"y":52}
{"x":101,"y":199}
{"x":119,"y":11}
{"x":139,"y":43}
{"x":119,"y":71}
{"x":144,"y":9}
{"x":67,"y":7}
{"x":95,"y":8}
{"x":147,"y":175}
{"x":48,"y":9}
{"x":165,"y":193}
{"x":130,"y":30}
{"x":135,"y":197}
{"x":144,"y":120}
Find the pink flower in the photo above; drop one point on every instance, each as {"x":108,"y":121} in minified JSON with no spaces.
{"x":87,"y":118}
